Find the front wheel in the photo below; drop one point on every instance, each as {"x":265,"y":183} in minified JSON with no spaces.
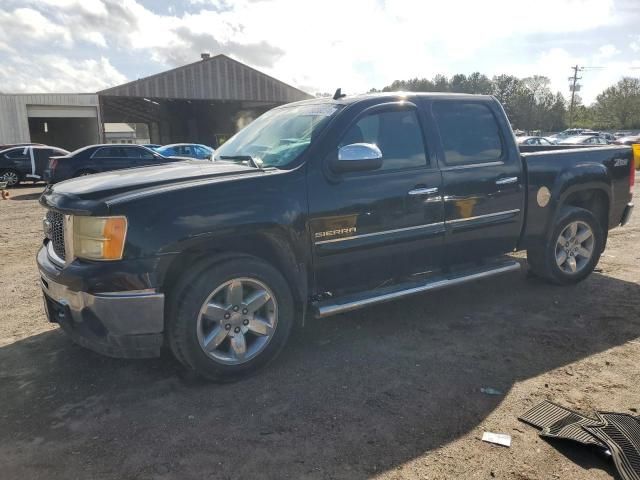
{"x":230,"y":319}
{"x":572,"y":250}
{"x":12,"y":177}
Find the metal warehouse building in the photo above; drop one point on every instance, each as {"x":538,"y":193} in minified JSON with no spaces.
{"x":203,"y":102}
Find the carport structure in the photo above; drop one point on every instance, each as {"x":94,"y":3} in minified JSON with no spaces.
{"x":202,"y":102}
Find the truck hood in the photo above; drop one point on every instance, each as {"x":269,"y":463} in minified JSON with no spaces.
{"x":92,"y":193}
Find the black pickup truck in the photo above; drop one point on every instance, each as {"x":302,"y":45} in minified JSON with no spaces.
{"x":317,"y":208}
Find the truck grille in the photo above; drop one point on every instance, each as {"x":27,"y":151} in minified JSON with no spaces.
{"x":54,"y":231}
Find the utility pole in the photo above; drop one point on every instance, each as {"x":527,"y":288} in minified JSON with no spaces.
{"x":574,"y":86}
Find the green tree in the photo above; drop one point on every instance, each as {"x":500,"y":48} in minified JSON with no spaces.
{"x":619,"y":105}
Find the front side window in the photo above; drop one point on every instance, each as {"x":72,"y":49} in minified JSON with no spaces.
{"x":278,"y":137}
{"x":469,"y":133}
{"x":396,"y":133}
{"x":18,"y":153}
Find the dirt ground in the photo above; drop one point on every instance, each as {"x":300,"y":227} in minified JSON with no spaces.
{"x":387,"y":392}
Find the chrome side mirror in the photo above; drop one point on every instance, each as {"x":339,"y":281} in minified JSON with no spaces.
{"x":358,"y":157}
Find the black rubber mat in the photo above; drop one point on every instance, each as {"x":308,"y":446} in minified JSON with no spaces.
{"x":555,"y":421}
{"x":621,"y":434}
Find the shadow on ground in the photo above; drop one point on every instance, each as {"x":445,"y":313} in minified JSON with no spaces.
{"x":351,"y":396}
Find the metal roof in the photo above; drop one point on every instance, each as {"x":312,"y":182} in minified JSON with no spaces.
{"x":215,"y":78}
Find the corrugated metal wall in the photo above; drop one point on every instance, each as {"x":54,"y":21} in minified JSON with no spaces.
{"x":14,"y":121}
{"x":217,"y":78}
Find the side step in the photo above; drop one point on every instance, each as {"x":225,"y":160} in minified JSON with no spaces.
{"x":333,"y":306}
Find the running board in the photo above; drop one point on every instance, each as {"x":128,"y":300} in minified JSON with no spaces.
{"x":333,"y":306}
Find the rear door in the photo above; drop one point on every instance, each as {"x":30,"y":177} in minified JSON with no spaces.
{"x":139,"y":156}
{"x":41,"y":157}
{"x":108,"y":158}
{"x":369,"y":228}
{"x":482,"y":179}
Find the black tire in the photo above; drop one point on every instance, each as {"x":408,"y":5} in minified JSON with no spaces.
{"x":188,"y":297}
{"x":542,"y":257}
{"x":82,"y":173}
{"x":15,"y":176}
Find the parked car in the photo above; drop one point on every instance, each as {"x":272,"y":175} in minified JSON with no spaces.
{"x":630,"y":140}
{"x":20,"y":163}
{"x":534,"y":141}
{"x":584,"y":140}
{"x":623,"y":134}
{"x":609,"y":137}
{"x":102,"y":158}
{"x":191,"y":150}
{"x":317,"y":208}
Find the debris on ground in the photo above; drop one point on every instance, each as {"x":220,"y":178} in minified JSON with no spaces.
{"x":497,"y":438}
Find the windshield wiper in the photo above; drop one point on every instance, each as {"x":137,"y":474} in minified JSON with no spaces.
{"x":255,"y":162}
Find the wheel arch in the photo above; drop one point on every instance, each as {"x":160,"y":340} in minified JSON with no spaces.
{"x":270,"y":248}
{"x":595,"y":198}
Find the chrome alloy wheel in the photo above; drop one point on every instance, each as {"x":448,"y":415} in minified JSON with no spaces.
{"x":574,"y":247}
{"x":237,"y":321}
{"x":10,"y":177}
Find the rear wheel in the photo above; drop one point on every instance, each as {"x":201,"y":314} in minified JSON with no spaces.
{"x":572,"y":250}
{"x":12,"y":177}
{"x":230,"y":319}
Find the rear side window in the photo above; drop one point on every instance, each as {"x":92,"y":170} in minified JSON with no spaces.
{"x":109,"y":152}
{"x":140,"y":153}
{"x":396,"y":133}
{"x":469,"y":133}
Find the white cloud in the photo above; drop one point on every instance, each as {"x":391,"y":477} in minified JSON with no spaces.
{"x":635,"y":43}
{"x":607,"y":51}
{"x":26,"y":25}
{"x":54,"y":73}
{"x":355,"y":44}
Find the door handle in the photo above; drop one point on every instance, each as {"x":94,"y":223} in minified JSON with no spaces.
{"x":507,"y":181}
{"x":423,"y":191}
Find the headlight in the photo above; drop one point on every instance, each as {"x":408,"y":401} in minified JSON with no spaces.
{"x":99,"y":238}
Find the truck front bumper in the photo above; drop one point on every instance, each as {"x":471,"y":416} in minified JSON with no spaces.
{"x":123,"y":324}
{"x":626,"y":215}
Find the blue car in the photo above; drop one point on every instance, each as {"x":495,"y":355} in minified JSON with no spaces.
{"x":192,"y":150}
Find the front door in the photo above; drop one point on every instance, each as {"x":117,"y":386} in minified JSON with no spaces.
{"x":371,"y":228}
{"x":482,"y":180}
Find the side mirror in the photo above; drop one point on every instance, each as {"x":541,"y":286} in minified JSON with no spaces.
{"x":357,"y":157}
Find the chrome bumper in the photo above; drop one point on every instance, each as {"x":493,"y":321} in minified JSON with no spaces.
{"x":119,"y":324}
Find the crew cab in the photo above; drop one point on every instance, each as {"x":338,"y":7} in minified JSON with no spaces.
{"x":317,"y":208}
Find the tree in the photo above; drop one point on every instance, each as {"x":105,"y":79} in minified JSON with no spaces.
{"x":619,"y":105}
{"x":531,"y":105}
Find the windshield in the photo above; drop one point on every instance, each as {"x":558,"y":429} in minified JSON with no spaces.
{"x":278,"y":137}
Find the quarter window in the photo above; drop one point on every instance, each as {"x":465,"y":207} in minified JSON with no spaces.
{"x":469,"y":133}
{"x":396,"y":133}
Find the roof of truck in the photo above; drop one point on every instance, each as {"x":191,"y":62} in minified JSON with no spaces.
{"x":349,"y":99}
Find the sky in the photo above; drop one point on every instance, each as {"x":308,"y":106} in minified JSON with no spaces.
{"x":317,"y":45}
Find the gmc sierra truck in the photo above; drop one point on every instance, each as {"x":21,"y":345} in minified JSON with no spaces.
{"x":317,"y":208}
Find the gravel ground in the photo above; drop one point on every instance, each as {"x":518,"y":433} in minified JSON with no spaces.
{"x":387,"y":392}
